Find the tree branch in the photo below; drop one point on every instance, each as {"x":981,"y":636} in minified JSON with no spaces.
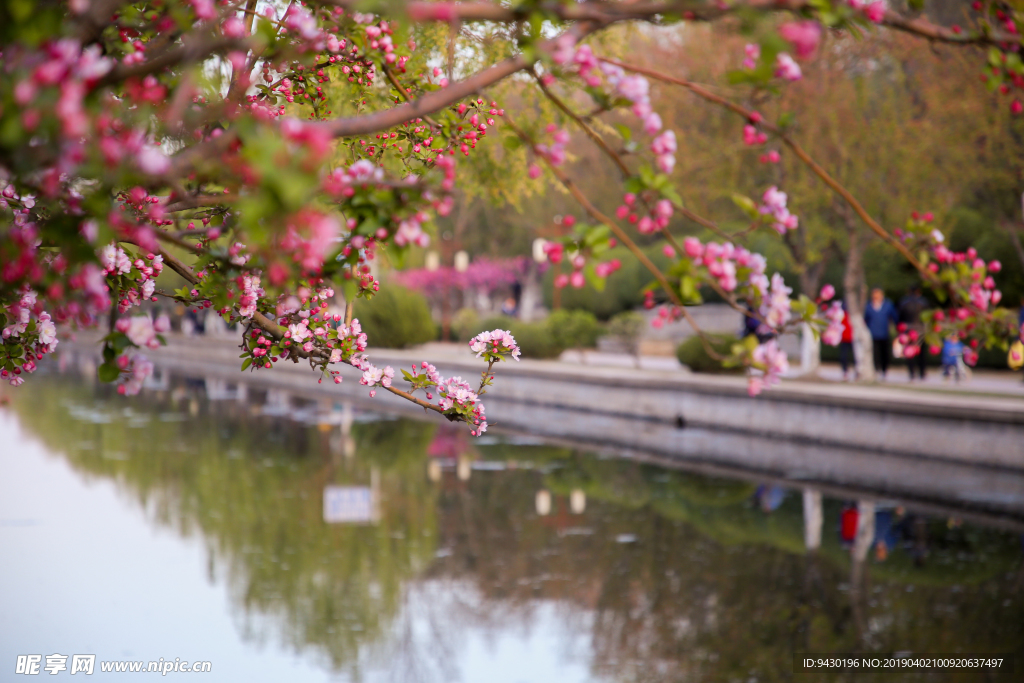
{"x":609,"y":12}
{"x":749,"y":115}
{"x":622,"y":237}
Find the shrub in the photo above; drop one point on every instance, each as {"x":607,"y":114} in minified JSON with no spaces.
{"x":573,"y":329}
{"x":466,"y":324}
{"x":693,"y":355}
{"x":396,"y":318}
{"x":534,"y":339}
{"x":628,"y":327}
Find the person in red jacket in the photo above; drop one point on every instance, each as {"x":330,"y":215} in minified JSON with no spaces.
{"x":846,"y":358}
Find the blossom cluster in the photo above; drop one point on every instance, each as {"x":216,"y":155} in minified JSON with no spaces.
{"x":136,"y":279}
{"x":969,"y":288}
{"x":633,"y":88}
{"x":134,"y":371}
{"x":773,"y":203}
{"x":28,"y":335}
{"x":455,"y":397}
{"x":725,"y":262}
{"x":142,"y":330}
{"x":833,"y":333}
{"x":773,"y":363}
{"x":556,"y":151}
{"x":494,"y":345}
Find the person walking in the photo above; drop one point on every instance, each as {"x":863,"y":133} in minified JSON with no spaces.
{"x":846,"y":359}
{"x":878,"y":315}
{"x":910,"y":310}
{"x":952,"y":356}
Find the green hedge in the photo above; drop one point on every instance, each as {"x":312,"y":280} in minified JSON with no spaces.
{"x":534,"y":339}
{"x":692,"y":354}
{"x":573,"y":329}
{"x":548,"y":338}
{"x":396,"y":318}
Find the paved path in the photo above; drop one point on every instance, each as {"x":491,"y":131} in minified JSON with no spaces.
{"x":984,"y":384}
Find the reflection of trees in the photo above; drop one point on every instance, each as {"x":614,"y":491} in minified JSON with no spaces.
{"x":712,"y":589}
{"x":252,"y":485}
{"x":715,"y":589}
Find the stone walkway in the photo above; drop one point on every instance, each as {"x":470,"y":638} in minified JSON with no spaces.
{"x":983,"y":382}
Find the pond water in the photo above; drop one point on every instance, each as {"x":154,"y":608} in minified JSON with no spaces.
{"x":321,"y":542}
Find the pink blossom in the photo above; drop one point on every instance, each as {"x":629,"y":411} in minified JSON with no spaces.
{"x":786,"y":68}
{"x":251,"y":293}
{"x":140,"y":332}
{"x":374,"y":376}
{"x":753,"y":53}
{"x":233,"y":28}
{"x":664,"y":143}
{"x":827,"y":292}
{"x":804,"y":36}
{"x":496,"y":343}
{"x":875,"y":12}
{"x":772,"y":361}
{"x":47,"y":332}
{"x":652,"y":123}
{"x":776,"y":310}
{"x":204,"y":9}
{"x":773,"y":202}
{"x":565,"y":48}
{"x":152,"y":160}
{"x":833,"y":333}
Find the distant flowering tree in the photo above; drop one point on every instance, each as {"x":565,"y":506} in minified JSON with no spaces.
{"x":268,"y":152}
{"x":483,"y":273}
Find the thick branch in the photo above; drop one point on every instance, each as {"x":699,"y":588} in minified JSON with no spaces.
{"x":608,"y":12}
{"x":190,"y":53}
{"x":389,"y":118}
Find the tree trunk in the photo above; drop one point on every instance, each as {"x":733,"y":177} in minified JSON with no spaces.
{"x":1012,"y":229}
{"x":810,"y":284}
{"x":856,"y":299}
{"x":810,"y":351}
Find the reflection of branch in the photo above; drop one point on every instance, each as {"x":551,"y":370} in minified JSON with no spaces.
{"x":749,"y":115}
{"x":622,"y":236}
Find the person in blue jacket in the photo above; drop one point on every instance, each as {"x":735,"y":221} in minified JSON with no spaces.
{"x":878,"y":315}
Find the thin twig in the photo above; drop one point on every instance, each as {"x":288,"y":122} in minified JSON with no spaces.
{"x":622,"y":236}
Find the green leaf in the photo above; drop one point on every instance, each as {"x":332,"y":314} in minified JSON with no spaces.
{"x":745,"y":204}
{"x":246,"y":363}
{"x":634,"y":185}
{"x":109,"y":372}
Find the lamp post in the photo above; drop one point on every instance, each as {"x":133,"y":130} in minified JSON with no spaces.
{"x":461,"y":265}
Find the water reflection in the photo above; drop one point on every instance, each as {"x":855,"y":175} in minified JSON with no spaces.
{"x":393,"y":547}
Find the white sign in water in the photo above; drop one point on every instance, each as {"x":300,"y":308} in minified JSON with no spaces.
{"x":351,"y":504}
